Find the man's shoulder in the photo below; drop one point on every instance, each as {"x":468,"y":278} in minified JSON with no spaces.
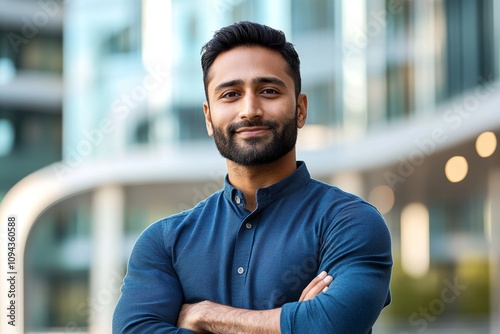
{"x":169,"y":227}
{"x":336,"y":200}
{"x":332,"y":192}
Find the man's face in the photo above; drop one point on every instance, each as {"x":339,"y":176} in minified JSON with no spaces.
{"x":252,"y":111}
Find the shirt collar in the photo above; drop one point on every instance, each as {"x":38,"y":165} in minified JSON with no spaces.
{"x":278,"y":190}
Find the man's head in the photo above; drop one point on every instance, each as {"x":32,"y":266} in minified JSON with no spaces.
{"x":249,"y":34}
{"x":254,"y":107}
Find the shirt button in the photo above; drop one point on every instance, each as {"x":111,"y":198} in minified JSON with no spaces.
{"x":237,"y":199}
{"x":248,"y":225}
{"x":241,"y":270}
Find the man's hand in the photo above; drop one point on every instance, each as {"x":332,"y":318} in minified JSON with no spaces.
{"x":318,"y":285}
{"x":191,"y":315}
{"x":207,"y":317}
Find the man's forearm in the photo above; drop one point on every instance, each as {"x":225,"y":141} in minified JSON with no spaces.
{"x":208,"y":317}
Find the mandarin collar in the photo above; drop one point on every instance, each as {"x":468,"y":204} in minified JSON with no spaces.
{"x":275,"y":191}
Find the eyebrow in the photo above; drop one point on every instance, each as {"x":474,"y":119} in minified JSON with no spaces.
{"x":227,"y":84}
{"x":258,"y":80}
{"x":272,"y":80}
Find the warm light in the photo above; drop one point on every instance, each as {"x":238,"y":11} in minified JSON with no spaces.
{"x":350,"y":181}
{"x":486,"y":144}
{"x":456,"y":169}
{"x":415,"y":253}
{"x":382,"y":197}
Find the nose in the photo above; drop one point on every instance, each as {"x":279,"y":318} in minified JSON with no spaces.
{"x":251,"y":107}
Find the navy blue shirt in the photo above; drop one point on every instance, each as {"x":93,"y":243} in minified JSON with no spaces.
{"x":220,"y":251}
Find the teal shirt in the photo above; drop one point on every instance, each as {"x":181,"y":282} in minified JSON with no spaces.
{"x":220,"y":251}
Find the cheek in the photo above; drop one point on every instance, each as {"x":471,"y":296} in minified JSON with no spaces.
{"x":284,"y":106}
{"x":285,"y":112}
{"x":219,"y":122}
{"x":224,"y":114}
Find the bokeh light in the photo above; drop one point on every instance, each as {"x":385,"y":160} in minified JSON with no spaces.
{"x":382,"y":197}
{"x":456,"y":169}
{"x":415,"y":249}
{"x":486,"y":144}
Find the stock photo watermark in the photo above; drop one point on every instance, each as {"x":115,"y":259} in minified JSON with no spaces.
{"x":120,"y":109}
{"x":98,"y":302}
{"x":294,"y":279}
{"x":11,"y":270}
{"x":31,"y":25}
{"x":201,"y":193}
{"x":429,"y":313}
{"x":453,"y":119}
{"x":377,"y":21}
{"x":222,"y":7}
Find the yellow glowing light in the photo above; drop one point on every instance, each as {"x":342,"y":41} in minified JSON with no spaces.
{"x":456,"y":169}
{"x":486,"y":144}
{"x":382,"y":197}
{"x":415,"y":249}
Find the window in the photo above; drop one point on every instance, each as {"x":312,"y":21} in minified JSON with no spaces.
{"x":469,"y":43}
{"x":323,"y":108}
{"x":57,"y":256}
{"x":32,"y":141}
{"x":7,"y":136}
{"x":312,"y":15}
{"x":192,"y":123}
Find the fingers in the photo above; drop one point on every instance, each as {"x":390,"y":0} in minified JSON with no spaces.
{"x":318,"y":285}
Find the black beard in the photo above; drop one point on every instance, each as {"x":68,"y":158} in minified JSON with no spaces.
{"x":259,"y":150}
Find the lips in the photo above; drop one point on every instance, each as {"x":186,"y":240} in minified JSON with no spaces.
{"x":252,"y":129}
{"x":252,"y":132}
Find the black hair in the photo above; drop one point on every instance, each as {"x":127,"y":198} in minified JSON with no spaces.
{"x":247,"y":33}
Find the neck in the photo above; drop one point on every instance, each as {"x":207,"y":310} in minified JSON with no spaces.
{"x":250,"y":178}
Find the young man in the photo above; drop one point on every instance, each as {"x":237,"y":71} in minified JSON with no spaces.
{"x":275,"y":251}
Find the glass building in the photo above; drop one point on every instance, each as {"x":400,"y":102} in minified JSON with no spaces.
{"x":403,"y":111}
{"x":31,"y":89}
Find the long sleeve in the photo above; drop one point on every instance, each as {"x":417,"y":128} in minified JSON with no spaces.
{"x":356,"y":251}
{"x":151,"y":295}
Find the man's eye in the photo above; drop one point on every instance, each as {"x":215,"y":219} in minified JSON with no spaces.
{"x":229,"y":95}
{"x":269,"y":91}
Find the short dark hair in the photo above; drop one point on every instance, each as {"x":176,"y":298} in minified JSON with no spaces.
{"x":247,"y":33}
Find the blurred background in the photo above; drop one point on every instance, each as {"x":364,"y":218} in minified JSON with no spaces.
{"x":102,"y":133}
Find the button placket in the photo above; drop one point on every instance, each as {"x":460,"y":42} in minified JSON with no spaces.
{"x":242,"y":254}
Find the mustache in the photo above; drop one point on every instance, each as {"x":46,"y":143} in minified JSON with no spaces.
{"x":232,"y":128}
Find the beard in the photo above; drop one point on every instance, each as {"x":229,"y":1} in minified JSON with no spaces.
{"x":257,"y":150}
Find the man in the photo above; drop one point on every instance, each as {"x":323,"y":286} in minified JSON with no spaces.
{"x":274,"y":251}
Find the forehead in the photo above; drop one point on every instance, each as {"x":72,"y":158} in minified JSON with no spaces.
{"x":246,"y":63}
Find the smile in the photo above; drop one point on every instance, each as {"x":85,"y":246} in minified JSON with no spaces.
{"x":252,"y":131}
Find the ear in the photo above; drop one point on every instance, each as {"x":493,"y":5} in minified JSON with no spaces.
{"x":208,"y":118}
{"x":301,"y":110}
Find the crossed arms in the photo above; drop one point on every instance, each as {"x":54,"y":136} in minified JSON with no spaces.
{"x":356,"y":253}
{"x":208,"y":317}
